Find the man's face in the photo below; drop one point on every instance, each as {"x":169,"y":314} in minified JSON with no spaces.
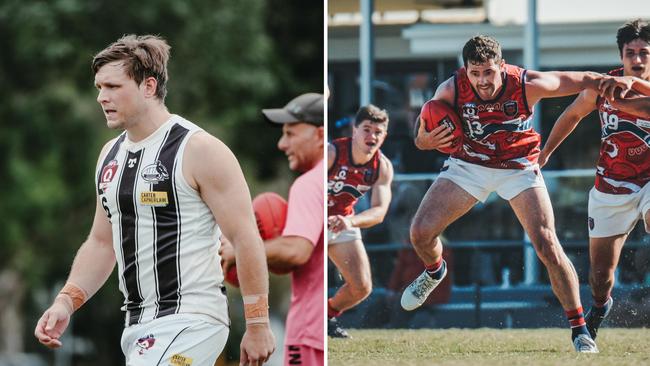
{"x":122,"y":100}
{"x":485,"y":78}
{"x":368,"y":137}
{"x":636,"y":59}
{"x":302,"y":143}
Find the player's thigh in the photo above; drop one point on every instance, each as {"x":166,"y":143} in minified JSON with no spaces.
{"x":444,"y":203}
{"x":351,"y":260}
{"x":604,"y":253}
{"x":535,"y":213}
{"x":178,"y":340}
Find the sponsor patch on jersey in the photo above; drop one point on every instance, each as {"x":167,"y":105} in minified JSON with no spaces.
{"x":642,"y":123}
{"x":153,"y":198}
{"x":180,"y":360}
{"x":155,"y":173}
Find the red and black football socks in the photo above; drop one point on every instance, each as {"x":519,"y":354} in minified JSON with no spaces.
{"x":437,"y":270}
{"x":576,"y":319}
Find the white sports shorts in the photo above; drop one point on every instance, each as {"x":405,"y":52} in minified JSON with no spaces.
{"x":616,"y":214}
{"x":176,"y":340}
{"x":343,"y":236}
{"x":480,"y":181}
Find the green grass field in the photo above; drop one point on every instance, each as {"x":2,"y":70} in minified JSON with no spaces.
{"x":486,"y":347}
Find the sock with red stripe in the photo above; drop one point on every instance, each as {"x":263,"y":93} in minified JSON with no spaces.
{"x":576,"y":319}
{"x":436,"y":270}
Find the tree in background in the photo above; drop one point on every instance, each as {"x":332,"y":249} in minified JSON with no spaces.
{"x":229,"y":60}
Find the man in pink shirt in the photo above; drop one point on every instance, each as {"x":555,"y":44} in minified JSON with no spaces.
{"x":300,"y":249}
{"x":301,"y":244}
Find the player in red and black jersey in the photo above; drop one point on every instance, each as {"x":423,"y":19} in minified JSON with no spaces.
{"x":499,"y":154}
{"x":355,"y":166}
{"x":621,"y":193}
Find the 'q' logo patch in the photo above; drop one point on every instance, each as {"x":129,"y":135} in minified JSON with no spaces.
{"x":108,"y":173}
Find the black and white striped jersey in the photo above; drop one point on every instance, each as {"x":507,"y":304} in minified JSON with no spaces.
{"x":165,"y":237}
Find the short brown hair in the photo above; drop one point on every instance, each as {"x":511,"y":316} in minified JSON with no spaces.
{"x":630,"y":31}
{"x":371,"y":113}
{"x":144,"y":56}
{"x":480,"y":49}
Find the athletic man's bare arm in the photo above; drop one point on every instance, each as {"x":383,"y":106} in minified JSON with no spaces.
{"x":380,"y":200}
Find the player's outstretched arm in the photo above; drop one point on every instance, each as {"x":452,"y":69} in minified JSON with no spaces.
{"x":612,"y":87}
{"x":639,"y":106}
{"x":440,"y":137}
{"x":550,"y":84}
{"x":567,"y":122}
{"x":380,"y":200}
{"x":212,"y":168}
{"x":91,"y":267}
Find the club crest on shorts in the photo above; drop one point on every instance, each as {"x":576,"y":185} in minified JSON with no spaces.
{"x":145,"y":343}
{"x":590,"y":221}
{"x":180,"y":360}
{"x":155,"y":173}
{"x":510,"y":108}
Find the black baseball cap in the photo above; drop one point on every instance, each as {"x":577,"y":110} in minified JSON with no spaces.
{"x":307,"y":108}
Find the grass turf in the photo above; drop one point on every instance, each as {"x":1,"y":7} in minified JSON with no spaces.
{"x":486,"y":347}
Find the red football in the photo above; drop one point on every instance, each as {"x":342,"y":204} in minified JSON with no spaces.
{"x":270,"y":211}
{"x":435,"y":113}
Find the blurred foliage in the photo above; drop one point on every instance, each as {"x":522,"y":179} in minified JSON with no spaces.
{"x":229,"y":60}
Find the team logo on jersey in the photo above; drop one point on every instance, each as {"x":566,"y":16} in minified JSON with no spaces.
{"x":155,"y":173}
{"x":369,"y":173}
{"x":131,"y":163}
{"x":155,"y":199}
{"x":510,"y":108}
{"x":591,"y":223}
{"x":180,"y":360}
{"x":145,"y":343}
{"x":108,"y":173}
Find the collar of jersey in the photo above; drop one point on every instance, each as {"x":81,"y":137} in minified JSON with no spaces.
{"x":155,"y":137}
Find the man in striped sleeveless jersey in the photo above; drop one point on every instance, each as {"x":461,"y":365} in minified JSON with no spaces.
{"x":166,"y":190}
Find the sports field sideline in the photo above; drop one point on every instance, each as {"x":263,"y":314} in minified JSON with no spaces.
{"x":486,"y":347}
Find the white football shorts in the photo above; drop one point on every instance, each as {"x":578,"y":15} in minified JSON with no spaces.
{"x":343,"y":236}
{"x":480,"y":181}
{"x":177,"y":340}
{"x":616,"y":214}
